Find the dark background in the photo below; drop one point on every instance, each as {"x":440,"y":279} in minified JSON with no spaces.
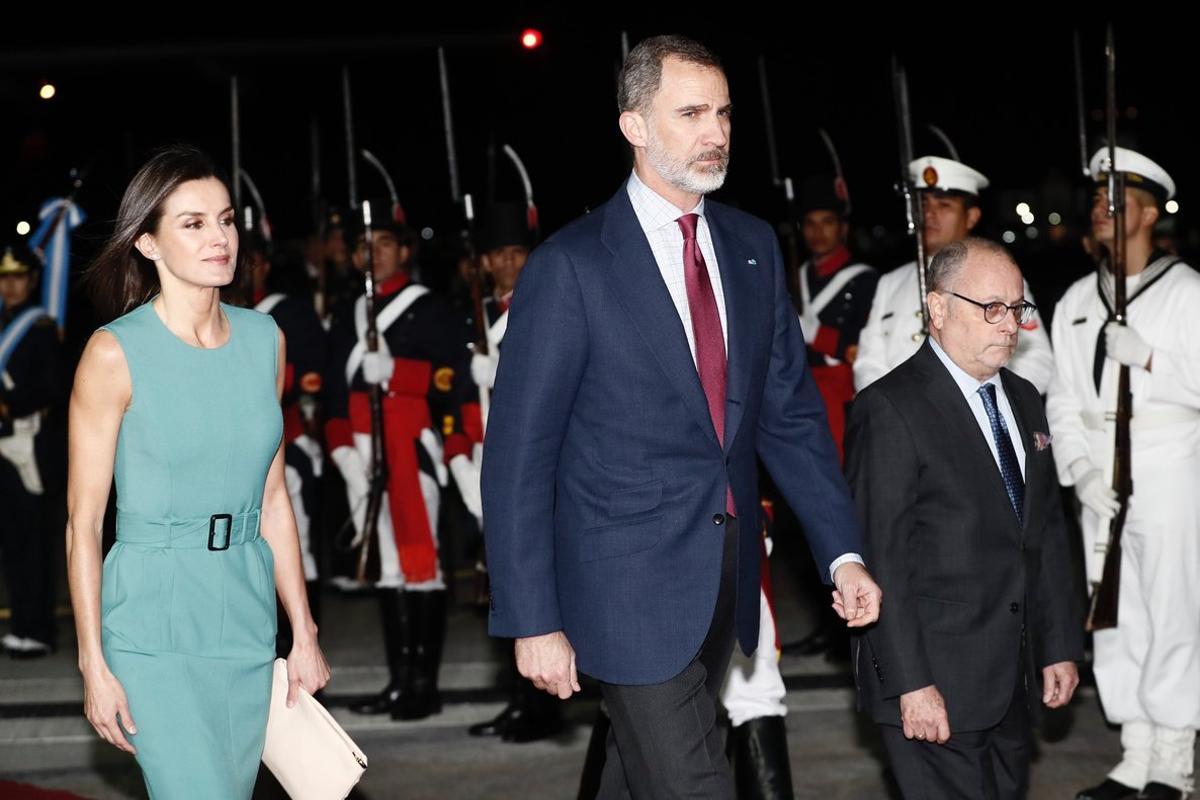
{"x":1002,"y":88}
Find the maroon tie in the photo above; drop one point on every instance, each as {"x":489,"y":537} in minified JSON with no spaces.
{"x":706,"y":327}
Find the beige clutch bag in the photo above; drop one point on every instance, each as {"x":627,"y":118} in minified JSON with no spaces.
{"x":306,"y":750}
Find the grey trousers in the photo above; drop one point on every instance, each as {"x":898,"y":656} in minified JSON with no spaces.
{"x":664,"y":741}
{"x":973,"y":765}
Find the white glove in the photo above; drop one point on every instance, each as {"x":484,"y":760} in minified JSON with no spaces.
{"x":809,"y":324}
{"x":1095,"y":494}
{"x":354,"y":472}
{"x":483,"y":370}
{"x":466,"y":477}
{"x":1126,"y":346}
{"x":18,"y":450}
{"x":378,"y":367}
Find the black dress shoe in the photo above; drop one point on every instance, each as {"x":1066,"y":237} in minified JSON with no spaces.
{"x":526,"y":726}
{"x":381,"y":703}
{"x":1160,"y":791}
{"x":496,"y":726}
{"x":1108,"y":790}
{"x":815,"y":643}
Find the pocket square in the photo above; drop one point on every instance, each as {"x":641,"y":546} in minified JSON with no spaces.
{"x":1042,"y":440}
{"x":752,"y":261}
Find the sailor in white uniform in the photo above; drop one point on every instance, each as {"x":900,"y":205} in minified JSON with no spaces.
{"x":894,"y":332}
{"x":1148,"y":667}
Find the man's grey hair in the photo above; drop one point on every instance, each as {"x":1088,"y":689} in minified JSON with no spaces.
{"x":948,"y":264}
{"x":641,"y":74}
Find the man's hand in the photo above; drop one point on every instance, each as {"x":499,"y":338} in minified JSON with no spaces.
{"x":1059,"y":683}
{"x":923,"y":715}
{"x":549,"y":661}
{"x":857,"y":597}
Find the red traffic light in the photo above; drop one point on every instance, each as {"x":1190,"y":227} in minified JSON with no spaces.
{"x":531,"y":38}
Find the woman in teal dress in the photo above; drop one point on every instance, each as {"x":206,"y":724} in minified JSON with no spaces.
{"x":178,"y":400}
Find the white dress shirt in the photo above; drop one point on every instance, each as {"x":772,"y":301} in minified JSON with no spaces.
{"x":970,"y":389}
{"x":658,"y":218}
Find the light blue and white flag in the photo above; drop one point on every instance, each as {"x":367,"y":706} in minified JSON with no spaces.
{"x":59,"y":216}
{"x":12,"y":335}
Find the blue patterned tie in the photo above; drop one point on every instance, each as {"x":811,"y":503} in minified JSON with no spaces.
{"x":1010,"y":469}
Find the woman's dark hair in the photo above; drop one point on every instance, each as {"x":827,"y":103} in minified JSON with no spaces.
{"x":121,"y":278}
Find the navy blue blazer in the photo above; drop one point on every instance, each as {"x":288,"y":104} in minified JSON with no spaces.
{"x":603,"y":479}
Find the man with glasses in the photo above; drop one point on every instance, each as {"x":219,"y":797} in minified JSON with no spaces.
{"x":893,"y":332}
{"x":950,"y":463}
{"x":1148,"y":667}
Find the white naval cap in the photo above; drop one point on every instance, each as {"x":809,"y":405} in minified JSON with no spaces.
{"x":1140,"y":172}
{"x":946,"y":175}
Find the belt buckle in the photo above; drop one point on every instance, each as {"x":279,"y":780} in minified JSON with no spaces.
{"x":212,"y":530}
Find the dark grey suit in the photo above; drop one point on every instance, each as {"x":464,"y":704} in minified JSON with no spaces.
{"x":976,"y":602}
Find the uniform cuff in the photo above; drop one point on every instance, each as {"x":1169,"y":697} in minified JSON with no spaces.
{"x":826,"y":341}
{"x":457,"y":444}
{"x":338,"y":433}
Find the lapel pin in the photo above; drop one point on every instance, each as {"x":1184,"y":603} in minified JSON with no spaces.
{"x":752,"y":261}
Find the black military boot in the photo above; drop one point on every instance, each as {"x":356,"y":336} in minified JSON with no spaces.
{"x":760,"y":760}
{"x":1160,"y":791}
{"x":1108,"y":790}
{"x":497,"y":725}
{"x":397,"y":643}
{"x":420,"y":697}
{"x":537,"y":715}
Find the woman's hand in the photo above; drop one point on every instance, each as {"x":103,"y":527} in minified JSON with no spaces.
{"x":103,"y":702}
{"x":306,"y":666}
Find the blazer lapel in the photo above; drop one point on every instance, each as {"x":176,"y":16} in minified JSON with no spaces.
{"x":945,"y":394}
{"x":734,"y":259}
{"x":639,"y":287}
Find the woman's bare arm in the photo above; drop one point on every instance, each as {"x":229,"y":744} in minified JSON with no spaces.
{"x":306,"y":663}
{"x":102,"y":392}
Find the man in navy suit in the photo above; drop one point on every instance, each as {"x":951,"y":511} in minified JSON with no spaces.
{"x":652,"y":356}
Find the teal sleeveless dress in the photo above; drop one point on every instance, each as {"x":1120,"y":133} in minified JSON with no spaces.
{"x":188,"y":598}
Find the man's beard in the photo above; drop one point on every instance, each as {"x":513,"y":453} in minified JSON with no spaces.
{"x":681,"y":174}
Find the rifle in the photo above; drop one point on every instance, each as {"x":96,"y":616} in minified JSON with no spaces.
{"x":792,"y":239}
{"x":1079,"y":109}
{"x":1105,"y":598}
{"x":841,"y":188}
{"x":913,"y":206}
{"x":368,"y":557}
{"x":317,"y":210}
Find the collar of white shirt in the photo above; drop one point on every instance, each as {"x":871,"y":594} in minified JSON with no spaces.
{"x":652,"y":209}
{"x":968,"y":385}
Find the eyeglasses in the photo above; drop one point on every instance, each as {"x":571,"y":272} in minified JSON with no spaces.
{"x":995,"y":312}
